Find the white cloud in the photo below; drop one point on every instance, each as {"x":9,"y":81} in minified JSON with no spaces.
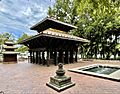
{"x":27,"y":12}
{"x":2,"y":9}
{"x":17,"y":16}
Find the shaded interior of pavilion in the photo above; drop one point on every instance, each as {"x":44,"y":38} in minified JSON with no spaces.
{"x":53,"y":44}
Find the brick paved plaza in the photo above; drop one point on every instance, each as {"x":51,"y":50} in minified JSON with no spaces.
{"x":27,"y":78}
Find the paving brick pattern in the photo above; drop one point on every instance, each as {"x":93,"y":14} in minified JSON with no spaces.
{"x":26,"y":78}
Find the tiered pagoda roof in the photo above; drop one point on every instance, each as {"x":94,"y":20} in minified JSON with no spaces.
{"x":9,"y":48}
{"x":52,"y":23}
{"x":49,"y":27}
{"x":10,"y":52}
{"x":9,"y":42}
{"x":9,"y":55}
{"x":53,"y":33}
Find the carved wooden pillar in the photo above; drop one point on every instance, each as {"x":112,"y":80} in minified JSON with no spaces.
{"x":71,"y":56}
{"x":76,"y":55}
{"x":43,"y":58}
{"x":48,"y":58}
{"x":36,"y":57}
{"x":30,"y":57}
{"x":66,"y":57}
{"x":55,"y":58}
{"x":33,"y":57}
{"x":61,"y":57}
{"x":51,"y":54}
{"x":39,"y":57}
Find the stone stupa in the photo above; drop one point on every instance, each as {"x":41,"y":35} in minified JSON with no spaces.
{"x":60,"y":81}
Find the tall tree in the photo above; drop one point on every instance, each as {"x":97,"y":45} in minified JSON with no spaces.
{"x":97,"y":20}
{"x":22,"y":48}
{"x":64,"y":10}
{"x":4,"y":37}
{"x":24,"y":36}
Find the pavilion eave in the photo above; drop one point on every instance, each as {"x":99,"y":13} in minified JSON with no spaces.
{"x":53,"y":36}
{"x":52,"y":23}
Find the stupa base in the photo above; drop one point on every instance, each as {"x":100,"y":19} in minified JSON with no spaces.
{"x":60,"y":83}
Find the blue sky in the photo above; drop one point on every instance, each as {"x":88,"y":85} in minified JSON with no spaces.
{"x":17,"y":16}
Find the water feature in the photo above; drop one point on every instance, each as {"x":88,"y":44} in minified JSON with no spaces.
{"x":102,"y":69}
{"x":107,"y":71}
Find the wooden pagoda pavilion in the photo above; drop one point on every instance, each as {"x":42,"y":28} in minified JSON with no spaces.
{"x":53,"y":43}
{"x":9,"y":55}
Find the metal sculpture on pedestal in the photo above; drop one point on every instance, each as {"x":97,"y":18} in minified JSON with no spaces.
{"x":60,"y":81}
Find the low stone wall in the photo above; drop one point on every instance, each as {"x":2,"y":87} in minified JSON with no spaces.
{"x":108,"y":61}
{"x":98,"y":60}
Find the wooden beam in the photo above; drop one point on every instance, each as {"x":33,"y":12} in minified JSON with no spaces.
{"x":38,"y":49}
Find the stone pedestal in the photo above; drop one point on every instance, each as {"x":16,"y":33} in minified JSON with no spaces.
{"x":60,"y":81}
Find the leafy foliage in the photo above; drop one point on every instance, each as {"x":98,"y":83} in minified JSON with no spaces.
{"x":97,"y":20}
{"x":4,"y":37}
{"x":24,"y":36}
{"x":22,"y":48}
